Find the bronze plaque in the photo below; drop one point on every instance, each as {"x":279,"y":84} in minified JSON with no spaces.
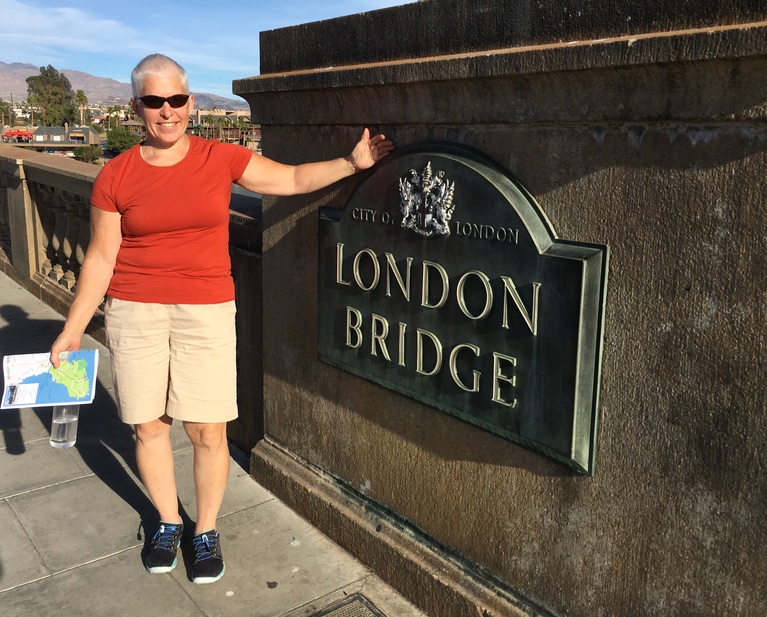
{"x":442,"y":279}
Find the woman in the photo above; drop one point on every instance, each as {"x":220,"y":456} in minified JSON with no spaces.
{"x":159,"y":252}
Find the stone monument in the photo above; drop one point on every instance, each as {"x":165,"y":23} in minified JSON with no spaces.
{"x":635,"y":130}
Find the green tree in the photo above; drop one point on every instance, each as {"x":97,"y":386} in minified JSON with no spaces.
{"x":30,"y":106}
{"x":244,"y":127}
{"x":208,"y":121}
{"x":120,"y":139}
{"x":54,"y":96}
{"x":82,"y":102}
{"x":89,"y":154}
{"x":5,"y":113}
{"x":117,"y":112}
{"x":223,"y":123}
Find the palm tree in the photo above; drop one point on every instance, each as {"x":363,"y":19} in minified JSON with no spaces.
{"x":114,"y":110}
{"x":31,"y":102}
{"x":82,"y":101}
{"x":243,"y":125}
{"x":223,"y":123}
{"x":208,"y":120}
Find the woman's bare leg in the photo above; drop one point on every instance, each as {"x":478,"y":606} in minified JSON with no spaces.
{"x":211,"y":469}
{"x":154,"y":456}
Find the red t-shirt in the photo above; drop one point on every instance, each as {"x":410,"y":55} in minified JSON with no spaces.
{"x":175,"y":223}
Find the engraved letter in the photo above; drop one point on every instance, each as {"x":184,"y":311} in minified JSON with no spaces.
{"x":379,"y":337}
{"x":404,"y":285}
{"x":511,"y":290}
{"x":376,"y":269}
{"x":454,"y":367}
{"x":419,"y":352}
{"x":498,"y":375}
{"x":356,"y":328}
{"x":339,"y":264}
{"x":488,"y":294}
{"x":425,"y":284}
{"x":402,"y":329}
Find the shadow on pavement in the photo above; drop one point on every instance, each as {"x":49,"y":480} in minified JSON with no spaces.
{"x":104,"y":443}
{"x":10,"y":425}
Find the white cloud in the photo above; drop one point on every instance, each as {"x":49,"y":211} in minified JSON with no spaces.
{"x":214,"y":43}
{"x":64,"y":27}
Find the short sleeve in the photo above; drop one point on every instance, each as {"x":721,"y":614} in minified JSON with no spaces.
{"x":102,"y":195}
{"x":235,"y":157}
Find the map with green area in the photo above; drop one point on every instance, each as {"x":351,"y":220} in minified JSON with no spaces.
{"x":74,"y":377}
{"x":32,"y":381}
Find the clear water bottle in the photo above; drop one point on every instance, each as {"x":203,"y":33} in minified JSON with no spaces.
{"x":64,"y":426}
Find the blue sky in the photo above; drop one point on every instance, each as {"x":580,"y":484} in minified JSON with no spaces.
{"x":214,"y":42}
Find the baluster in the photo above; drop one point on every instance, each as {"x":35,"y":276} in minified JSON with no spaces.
{"x":46,"y":222}
{"x":69,"y":241}
{"x":84,"y":233}
{"x":57,"y":238}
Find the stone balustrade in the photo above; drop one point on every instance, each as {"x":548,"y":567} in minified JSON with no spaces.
{"x":44,"y":223}
{"x":44,"y":233}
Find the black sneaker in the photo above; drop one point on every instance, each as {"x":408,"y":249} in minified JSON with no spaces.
{"x":208,"y":562}
{"x":161,"y":556}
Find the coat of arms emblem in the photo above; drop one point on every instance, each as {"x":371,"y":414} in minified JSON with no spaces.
{"x":427,"y":202}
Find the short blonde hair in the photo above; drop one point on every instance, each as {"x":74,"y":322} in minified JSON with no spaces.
{"x":156,"y":64}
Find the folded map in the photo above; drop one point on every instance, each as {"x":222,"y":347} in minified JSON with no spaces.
{"x":32,"y":381}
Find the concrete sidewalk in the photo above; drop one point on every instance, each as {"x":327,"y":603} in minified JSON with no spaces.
{"x":71,"y":539}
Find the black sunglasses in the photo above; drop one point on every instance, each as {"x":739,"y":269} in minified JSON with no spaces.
{"x":156,"y":102}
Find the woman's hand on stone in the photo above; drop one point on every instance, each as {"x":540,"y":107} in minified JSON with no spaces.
{"x":369,"y":150}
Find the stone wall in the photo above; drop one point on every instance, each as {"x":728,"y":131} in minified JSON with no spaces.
{"x":431,"y":28}
{"x":650,"y":140}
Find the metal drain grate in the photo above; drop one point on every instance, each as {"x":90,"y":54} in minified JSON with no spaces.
{"x":353,"y":606}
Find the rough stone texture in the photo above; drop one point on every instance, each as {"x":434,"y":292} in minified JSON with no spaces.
{"x":437,"y":27}
{"x":657,"y":148}
{"x":409,"y":560}
{"x":245,"y":250}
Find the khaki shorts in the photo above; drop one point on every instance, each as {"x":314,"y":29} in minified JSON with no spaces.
{"x":174,"y":359}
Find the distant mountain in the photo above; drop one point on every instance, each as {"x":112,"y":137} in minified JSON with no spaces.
{"x":99,"y":90}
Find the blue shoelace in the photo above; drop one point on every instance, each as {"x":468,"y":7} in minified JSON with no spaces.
{"x":204,"y":547}
{"x":165,"y":538}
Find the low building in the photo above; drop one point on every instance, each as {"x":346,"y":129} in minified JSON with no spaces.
{"x":58,"y":139}
{"x":135,"y":126}
{"x":84,"y":136}
{"x":17,"y":135}
{"x":56,"y":135}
